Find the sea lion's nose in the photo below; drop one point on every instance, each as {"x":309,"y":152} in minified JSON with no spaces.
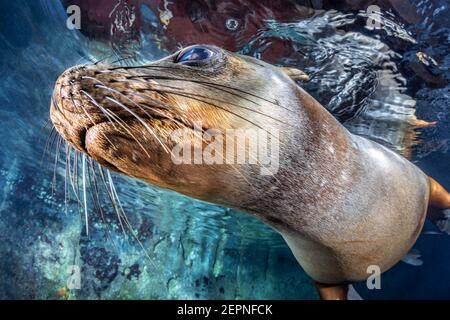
{"x":69,"y":113}
{"x":66,"y":89}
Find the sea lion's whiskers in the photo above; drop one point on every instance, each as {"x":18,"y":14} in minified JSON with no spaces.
{"x":95,"y":196}
{"x":120,"y":122}
{"x":55,"y":101}
{"x":94,"y":123}
{"x":127,"y":222}
{"x":133,"y":113}
{"x":54,"y":136}
{"x":127,"y":98}
{"x":93,"y":190}
{"x":44,"y":127}
{"x":47,"y":143}
{"x":122,"y":59}
{"x":69,"y":170}
{"x":220,"y":87}
{"x":75,"y":174}
{"x":121,"y":211}
{"x":103,"y":180}
{"x":155,"y":105}
{"x":84,"y":194}
{"x":138,"y":104}
{"x":180,"y":124}
{"x":66,"y":177}
{"x":115,"y":68}
{"x":214,"y":85}
{"x":205,"y":83}
{"x":128,"y":129}
{"x":103,"y":86}
{"x":112,"y":198}
{"x":103,"y":59}
{"x":166,"y":149}
{"x":84,"y":57}
{"x":102,"y":215}
{"x":224,"y":109}
{"x":143,"y":107}
{"x":98,"y":106}
{"x":250,"y":155}
{"x":71,"y":173}
{"x":237,"y":115}
{"x":58,"y":150}
{"x":52,"y":142}
{"x":194,"y":95}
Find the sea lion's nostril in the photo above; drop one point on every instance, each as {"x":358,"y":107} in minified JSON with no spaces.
{"x":82,"y":136}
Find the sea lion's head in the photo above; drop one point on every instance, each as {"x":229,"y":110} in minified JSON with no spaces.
{"x":134,"y":119}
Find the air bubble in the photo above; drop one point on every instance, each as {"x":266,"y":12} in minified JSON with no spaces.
{"x":232,"y":24}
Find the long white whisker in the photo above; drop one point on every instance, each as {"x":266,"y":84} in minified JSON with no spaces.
{"x":109,"y":114}
{"x":84,"y":194}
{"x":142,"y":122}
{"x":127,"y":222}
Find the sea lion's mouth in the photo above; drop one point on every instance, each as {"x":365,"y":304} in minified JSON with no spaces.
{"x":103,"y":138}
{"x":83,"y":134}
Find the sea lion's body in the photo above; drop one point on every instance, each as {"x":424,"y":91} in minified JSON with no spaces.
{"x":343,"y":203}
{"x":373,"y":217}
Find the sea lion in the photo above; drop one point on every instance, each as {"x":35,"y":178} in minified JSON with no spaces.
{"x":341,"y":202}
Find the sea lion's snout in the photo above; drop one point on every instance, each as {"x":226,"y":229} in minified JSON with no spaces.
{"x":65,"y":111}
{"x":96,"y":107}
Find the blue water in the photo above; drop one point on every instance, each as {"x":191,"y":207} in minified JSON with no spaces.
{"x":197,"y":250}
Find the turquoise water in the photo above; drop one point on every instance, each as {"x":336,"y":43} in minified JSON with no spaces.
{"x":193,"y":249}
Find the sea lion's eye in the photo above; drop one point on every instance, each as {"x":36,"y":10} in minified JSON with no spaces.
{"x":194,"y":56}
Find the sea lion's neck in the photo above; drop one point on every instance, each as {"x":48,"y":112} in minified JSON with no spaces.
{"x":320,"y":151}
{"x":318,"y":120}
{"x":324,"y":143}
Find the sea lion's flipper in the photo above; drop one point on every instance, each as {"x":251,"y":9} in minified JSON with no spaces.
{"x":295,"y":74}
{"x":332,"y":291}
{"x":439,"y":197}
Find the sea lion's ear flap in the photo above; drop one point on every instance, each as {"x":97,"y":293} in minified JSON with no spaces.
{"x":295,"y":74}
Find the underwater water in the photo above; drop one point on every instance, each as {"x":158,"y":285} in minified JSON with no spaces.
{"x":373,"y":80}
